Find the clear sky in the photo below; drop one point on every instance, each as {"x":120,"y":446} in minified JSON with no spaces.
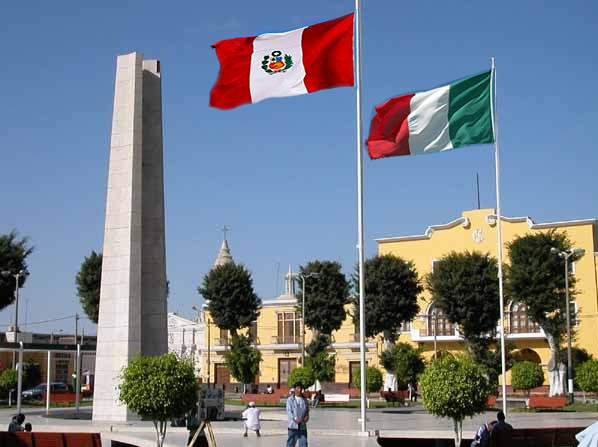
{"x":282,"y":173}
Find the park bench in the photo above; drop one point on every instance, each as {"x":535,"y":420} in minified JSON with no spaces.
{"x":261,"y":398}
{"x":491,"y":401}
{"x":47,"y":439}
{"x":330,"y":398}
{"x":547,"y":402}
{"x":394,"y":396}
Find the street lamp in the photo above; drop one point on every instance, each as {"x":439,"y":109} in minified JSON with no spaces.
{"x":17,"y":276}
{"x":566,"y":254}
{"x":303,"y":276}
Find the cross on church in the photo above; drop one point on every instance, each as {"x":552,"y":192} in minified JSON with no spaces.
{"x":225,"y":229}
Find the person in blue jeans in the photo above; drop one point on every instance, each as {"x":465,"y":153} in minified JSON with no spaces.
{"x":298,"y":414}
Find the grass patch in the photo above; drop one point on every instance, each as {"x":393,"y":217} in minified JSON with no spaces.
{"x":29,"y":404}
{"x":577,"y":407}
{"x":350,"y":404}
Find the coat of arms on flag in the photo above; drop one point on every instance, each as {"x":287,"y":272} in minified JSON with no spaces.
{"x":273,"y":63}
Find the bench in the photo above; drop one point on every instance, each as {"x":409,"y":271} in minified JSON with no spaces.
{"x":263,"y":398}
{"x":491,"y":401}
{"x":547,"y":402}
{"x":47,"y":439}
{"x":336,"y":398}
{"x":394,"y":396}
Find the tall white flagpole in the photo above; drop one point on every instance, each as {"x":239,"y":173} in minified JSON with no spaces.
{"x":360,"y":215}
{"x":494,"y":111}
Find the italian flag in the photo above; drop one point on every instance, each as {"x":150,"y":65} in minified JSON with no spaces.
{"x":455,"y":115}
{"x":270,"y":65}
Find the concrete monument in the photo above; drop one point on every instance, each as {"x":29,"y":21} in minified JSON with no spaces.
{"x":133,"y":312}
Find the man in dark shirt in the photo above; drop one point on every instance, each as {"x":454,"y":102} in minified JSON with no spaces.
{"x":17,"y":423}
{"x":501,"y":433}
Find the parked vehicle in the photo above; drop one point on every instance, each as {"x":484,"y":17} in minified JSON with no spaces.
{"x":38,"y":391}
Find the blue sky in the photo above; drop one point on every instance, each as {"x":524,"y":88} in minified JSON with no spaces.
{"x":282,"y":173}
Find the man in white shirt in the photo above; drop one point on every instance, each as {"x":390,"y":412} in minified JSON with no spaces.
{"x":252,"y":419}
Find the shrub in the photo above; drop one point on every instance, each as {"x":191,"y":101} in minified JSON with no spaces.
{"x":586,"y":376}
{"x":455,"y":387}
{"x":242,"y":359}
{"x":373,"y":379}
{"x":304,"y":375}
{"x":405,"y":361}
{"x":159,"y":388}
{"x":526,"y":375}
{"x":8,"y":379}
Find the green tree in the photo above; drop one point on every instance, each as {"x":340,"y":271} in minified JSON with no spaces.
{"x":373,"y":379}
{"x":243,"y":360}
{"x":455,"y":387}
{"x":465,"y":287}
{"x":326,"y":293}
{"x":392,"y":286}
{"x":535,"y":277}
{"x":304,"y":375}
{"x":8,"y":379}
{"x":406,"y":361}
{"x":586,"y":377}
{"x":32,"y":374}
{"x":88,"y":282}
{"x":525,"y":376}
{"x":322,"y":365}
{"x":232,"y":302}
{"x":159,"y":388}
{"x":13,"y":259}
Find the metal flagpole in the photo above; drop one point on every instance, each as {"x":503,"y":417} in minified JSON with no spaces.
{"x":360,"y":215}
{"x":494,"y":112}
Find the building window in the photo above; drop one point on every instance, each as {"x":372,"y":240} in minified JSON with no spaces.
{"x":252,"y":332}
{"x":519,"y":321}
{"x":289,"y":327}
{"x":438,"y":324}
{"x":405,"y":326}
{"x":223,"y":340}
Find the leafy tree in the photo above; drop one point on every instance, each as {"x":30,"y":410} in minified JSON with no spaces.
{"x":231,"y":300}
{"x":304,"y":375}
{"x":455,"y":387}
{"x":586,"y":377}
{"x":326,"y":294}
{"x":322,"y":366}
{"x":13,"y":257}
{"x":9,"y":379}
{"x":392,"y":286}
{"x":88,"y":282}
{"x":159,"y":388}
{"x":373,"y":379}
{"x":535,"y":277}
{"x":406,"y":361}
{"x":465,"y":287}
{"x":525,"y":376}
{"x":243,"y":360}
{"x":32,"y":374}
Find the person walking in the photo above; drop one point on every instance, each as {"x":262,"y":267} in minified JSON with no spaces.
{"x":502,"y":432}
{"x":252,"y":419}
{"x":482,"y":436}
{"x":298,"y":414}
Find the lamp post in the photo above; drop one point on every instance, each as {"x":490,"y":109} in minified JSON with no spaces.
{"x":207,"y":325}
{"x":572,"y":252}
{"x":194,"y":346}
{"x":17,"y":277}
{"x":307,"y":275}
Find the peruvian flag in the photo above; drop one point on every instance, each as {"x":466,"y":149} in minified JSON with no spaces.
{"x":271,"y":65}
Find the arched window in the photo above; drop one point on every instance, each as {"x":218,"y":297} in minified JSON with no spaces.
{"x":438,"y":324}
{"x":519,"y":322}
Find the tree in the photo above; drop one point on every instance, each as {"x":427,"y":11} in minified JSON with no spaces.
{"x":13,"y":257}
{"x":373,"y":379}
{"x":88,"y":282}
{"x":405,"y":361}
{"x":304,"y":375}
{"x":465,"y":287}
{"x":322,"y":366}
{"x":325,"y":295}
{"x":243,"y":360}
{"x":535,"y":277}
{"x":586,"y":377}
{"x":392,"y":286}
{"x":525,"y":376}
{"x":32,"y":374}
{"x":8,"y":379}
{"x":231,"y":300}
{"x":159,"y":388}
{"x":455,"y":387}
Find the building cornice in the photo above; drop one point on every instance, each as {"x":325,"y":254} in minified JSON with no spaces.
{"x":463,"y":221}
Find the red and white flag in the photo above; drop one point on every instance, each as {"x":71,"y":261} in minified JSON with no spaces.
{"x":271,"y":65}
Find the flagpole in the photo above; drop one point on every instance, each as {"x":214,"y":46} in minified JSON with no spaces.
{"x":360,"y":245}
{"x":494,"y":111}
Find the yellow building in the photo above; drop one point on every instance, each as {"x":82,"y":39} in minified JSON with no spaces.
{"x":477,"y":231}
{"x":277,"y":334}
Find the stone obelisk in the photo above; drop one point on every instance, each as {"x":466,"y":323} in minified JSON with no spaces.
{"x":133,"y":312}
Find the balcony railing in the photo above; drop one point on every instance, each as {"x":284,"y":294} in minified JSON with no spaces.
{"x":424,"y":332}
{"x":286,"y":339}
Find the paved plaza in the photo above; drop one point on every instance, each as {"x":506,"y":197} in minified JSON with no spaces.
{"x":328,"y":427}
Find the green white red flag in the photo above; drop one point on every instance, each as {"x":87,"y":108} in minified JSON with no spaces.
{"x":454,"y":115}
{"x":270,"y":65}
